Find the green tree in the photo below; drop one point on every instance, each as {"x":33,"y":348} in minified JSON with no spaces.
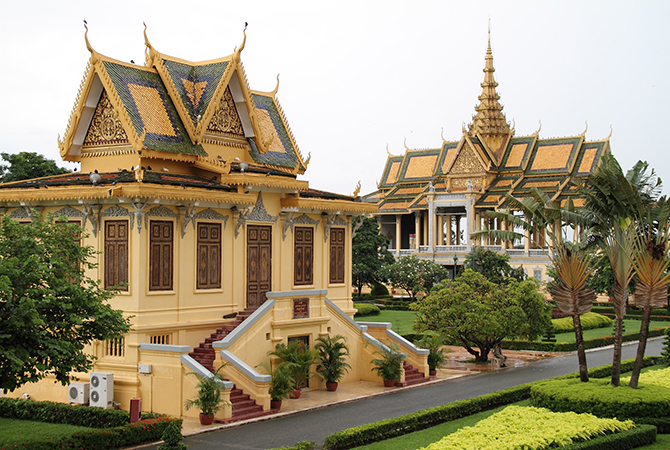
{"x":49,"y":309}
{"x":27,"y":165}
{"x":414,"y":275}
{"x":369,"y":254}
{"x":494,"y":266}
{"x":480,"y":314}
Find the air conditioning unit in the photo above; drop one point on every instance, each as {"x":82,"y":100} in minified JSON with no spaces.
{"x":102,"y":390}
{"x":78,"y":393}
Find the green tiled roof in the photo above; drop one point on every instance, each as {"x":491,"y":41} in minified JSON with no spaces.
{"x":198,"y":81}
{"x":289,"y":158}
{"x":165,"y":131}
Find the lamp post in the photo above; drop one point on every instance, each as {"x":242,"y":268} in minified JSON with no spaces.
{"x":455,"y":266}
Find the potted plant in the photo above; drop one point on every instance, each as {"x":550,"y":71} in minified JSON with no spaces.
{"x":300,"y":361}
{"x":437,"y":355}
{"x":208,"y":399}
{"x":332,"y":365}
{"x":282,"y":382}
{"x":389,"y":364}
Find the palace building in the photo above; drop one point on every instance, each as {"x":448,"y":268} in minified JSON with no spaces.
{"x":431,"y":200}
{"x":188,"y":189}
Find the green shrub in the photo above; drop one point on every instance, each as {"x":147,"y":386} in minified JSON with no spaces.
{"x":624,"y":440}
{"x":571,"y":346}
{"x":589,"y":321}
{"x":600,"y":398}
{"x":398,"y":426}
{"x":305,"y":445}
{"x":52,"y":412}
{"x":365,"y":309}
{"x":379,"y":290}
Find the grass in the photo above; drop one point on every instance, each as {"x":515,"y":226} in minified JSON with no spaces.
{"x":25,"y":431}
{"x":402,"y":321}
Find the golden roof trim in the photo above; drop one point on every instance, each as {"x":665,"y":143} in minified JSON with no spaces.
{"x":247,"y":179}
{"x":177,"y":193}
{"x":345,"y":206}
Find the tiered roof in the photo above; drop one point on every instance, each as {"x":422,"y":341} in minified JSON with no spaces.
{"x":488,"y":161}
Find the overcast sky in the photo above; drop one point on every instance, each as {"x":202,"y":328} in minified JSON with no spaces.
{"x":356,"y":76}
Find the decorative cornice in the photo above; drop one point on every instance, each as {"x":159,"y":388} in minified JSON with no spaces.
{"x":292,"y":220}
{"x":259,"y":213}
{"x":330,"y":222}
{"x":344,"y":206}
{"x":68,"y":211}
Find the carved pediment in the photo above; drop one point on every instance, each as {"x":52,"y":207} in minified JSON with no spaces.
{"x":105,"y":128}
{"x":467,"y":161}
{"x":226,"y":121}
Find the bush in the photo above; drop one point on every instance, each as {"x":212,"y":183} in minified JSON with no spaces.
{"x":624,"y":440}
{"x":52,"y":412}
{"x":365,"y":309}
{"x":571,"y":346}
{"x":600,"y":398}
{"x":589,"y":321}
{"x":379,"y":290}
{"x":305,"y":445}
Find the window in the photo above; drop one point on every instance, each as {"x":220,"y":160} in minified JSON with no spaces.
{"x":537,"y":274}
{"x":337,"y":255}
{"x":160,"y":253}
{"x":303,"y":256}
{"x":116,"y":255}
{"x":163,"y":339}
{"x":115,"y":347}
{"x":209,"y":256}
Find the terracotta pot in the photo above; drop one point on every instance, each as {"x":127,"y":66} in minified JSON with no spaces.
{"x":206,"y":419}
{"x":331,"y":385}
{"x":295,"y":393}
{"x":432,"y":373}
{"x":389,"y":383}
{"x":275,"y":404}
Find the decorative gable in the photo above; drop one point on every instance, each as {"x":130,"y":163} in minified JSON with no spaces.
{"x":467,"y":162}
{"x":106,"y":128}
{"x":226,"y":121}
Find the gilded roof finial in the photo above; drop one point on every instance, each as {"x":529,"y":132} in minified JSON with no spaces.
{"x":610,"y":135}
{"x":149,"y":50}
{"x":587,"y":127}
{"x":94,"y":54}
{"x":358,"y":189}
{"x":444,"y":141}
{"x":405,"y":144}
{"x":244,"y":40}
{"x":538,"y":129}
{"x":274,"y":93}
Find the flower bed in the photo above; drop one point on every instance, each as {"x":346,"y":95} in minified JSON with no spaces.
{"x":519,"y":427}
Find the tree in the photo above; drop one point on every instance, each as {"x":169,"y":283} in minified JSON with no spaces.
{"x":49,"y":309}
{"x":479,"y":313}
{"x":414,"y":275}
{"x":494,"y":266}
{"x":27,"y":165}
{"x":369,"y":254}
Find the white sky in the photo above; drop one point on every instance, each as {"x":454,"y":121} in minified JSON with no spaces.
{"x":358,"y":75}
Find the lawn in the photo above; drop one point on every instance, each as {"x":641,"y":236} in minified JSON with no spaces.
{"x":25,"y":431}
{"x":403,"y":321}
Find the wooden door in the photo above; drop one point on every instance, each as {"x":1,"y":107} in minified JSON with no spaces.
{"x":259,"y":264}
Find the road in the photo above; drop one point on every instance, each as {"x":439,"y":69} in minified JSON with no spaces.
{"x":316,"y":425}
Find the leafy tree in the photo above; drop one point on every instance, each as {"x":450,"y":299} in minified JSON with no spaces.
{"x":369,"y":254}
{"x":27,"y":165}
{"x":49,"y":308}
{"x":494,"y":266}
{"x":480,"y":314}
{"x":414,"y":275}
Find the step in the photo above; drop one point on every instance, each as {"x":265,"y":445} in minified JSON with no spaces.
{"x":248,"y":416}
{"x":241,"y":404}
{"x":247,"y":410}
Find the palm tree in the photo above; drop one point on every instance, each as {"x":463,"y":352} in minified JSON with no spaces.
{"x":571,"y":261}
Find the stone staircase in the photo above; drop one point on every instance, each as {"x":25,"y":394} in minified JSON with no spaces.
{"x":412,"y":376}
{"x":244,"y":407}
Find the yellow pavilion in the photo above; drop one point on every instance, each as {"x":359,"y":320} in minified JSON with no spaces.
{"x":432,"y":200}
{"x":188,"y":189}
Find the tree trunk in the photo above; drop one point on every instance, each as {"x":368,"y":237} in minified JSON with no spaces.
{"x":641,"y":346}
{"x":581,"y":354}
{"x":616,"y":358}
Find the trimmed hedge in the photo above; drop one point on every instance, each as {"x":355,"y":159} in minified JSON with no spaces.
{"x":623,"y":440}
{"x":304,"y":445}
{"x":571,"y":346}
{"x":113,"y":429}
{"x":398,"y":426}
{"x":365,"y":309}
{"x":148,"y":430}
{"x":589,"y":321}
{"x":600,"y":398}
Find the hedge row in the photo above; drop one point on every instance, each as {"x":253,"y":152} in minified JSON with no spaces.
{"x":630,"y":311}
{"x":623,"y":440}
{"x":399,"y":426}
{"x":148,"y":430}
{"x":589,"y":321}
{"x":637,"y":317}
{"x":365,"y":309}
{"x":571,"y":346}
{"x":304,"y":445}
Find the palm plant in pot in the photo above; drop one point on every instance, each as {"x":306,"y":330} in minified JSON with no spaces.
{"x":208,"y":399}
{"x":300,"y":361}
{"x":389,"y":364}
{"x":332,"y":365}
{"x":437,"y":355}
{"x":282,"y":383}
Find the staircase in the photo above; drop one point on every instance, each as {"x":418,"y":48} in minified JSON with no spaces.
{"x":244,"y":407}
{"x":204,"y":353}
{"x":412,"y":376}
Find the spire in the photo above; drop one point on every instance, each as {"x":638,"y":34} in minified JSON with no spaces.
{"x":489,"y":121}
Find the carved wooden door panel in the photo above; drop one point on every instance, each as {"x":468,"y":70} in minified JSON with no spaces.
{"x":259,"y":264}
